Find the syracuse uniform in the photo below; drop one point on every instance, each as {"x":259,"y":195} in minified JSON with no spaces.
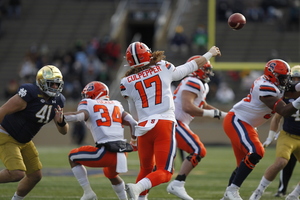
{"x":186,"y":139}
{"x":105,"y":124}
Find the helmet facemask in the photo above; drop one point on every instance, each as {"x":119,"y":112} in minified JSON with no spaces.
{"x":47,"y":87}
{"x":283,"y":81}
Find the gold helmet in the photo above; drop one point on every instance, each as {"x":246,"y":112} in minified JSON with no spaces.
{"x":46,"y":77}
{"x":295,"y":71}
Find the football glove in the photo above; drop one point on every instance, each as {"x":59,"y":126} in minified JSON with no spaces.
{"x":272,"y":136}
{"x":133,"y":143}
{"x":214,"y":113}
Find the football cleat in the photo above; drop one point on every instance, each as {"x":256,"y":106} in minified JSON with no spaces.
{"x":279,"y":194}
{"x":256,"y":195}
{"x":95,"y":90}
{"x":47,"y":77}
{"x":177,"y":188}
{"x":143,"y":197}
{"x":232,"y":193}
{"x":132,"y":191}
{"x":89,"y":196}
{"x":291,"y":197}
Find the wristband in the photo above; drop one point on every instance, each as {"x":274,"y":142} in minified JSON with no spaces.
{"x":208,"y":113}
{"x":207,"y":56}
{"x":63,"y":123}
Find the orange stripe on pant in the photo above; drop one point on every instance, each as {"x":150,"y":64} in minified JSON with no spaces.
{"x":91,"y":156}
{"x":243,"y":137}
{"x":188,"y":141}
{"x":157,"y":147}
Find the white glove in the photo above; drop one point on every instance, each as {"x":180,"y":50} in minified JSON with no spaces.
{"x":270,"y":138}
{"x":223,"y":115}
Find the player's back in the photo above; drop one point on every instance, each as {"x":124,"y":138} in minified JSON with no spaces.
{"x":105,"y":119}
{"x":251,"y":109}
{"x":151,"y":92}
{"x":194,"y":85}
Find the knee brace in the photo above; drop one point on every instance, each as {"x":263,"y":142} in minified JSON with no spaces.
{"x":251,"y":160}
{"x":194,"y":159}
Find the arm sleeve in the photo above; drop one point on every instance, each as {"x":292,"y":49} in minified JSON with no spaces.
{"x":132,"y":108}
{"x":183,"y":70}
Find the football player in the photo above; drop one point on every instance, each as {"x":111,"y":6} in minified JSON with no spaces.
{"x":263,"y":101}
{"x":21,"y":117}
{"x":147,"y":88}
{"x":288,"y":143}
{"x":105,"y":119}
{"x":189,"y":98}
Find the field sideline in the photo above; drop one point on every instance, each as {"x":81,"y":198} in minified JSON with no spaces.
{"x":207,"y":181}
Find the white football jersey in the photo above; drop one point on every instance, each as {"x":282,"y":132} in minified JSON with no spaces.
{"x":251,"y":109}
{"x":151,"y":92}
{"x":193,"y":85}
{"x":105,"y":119}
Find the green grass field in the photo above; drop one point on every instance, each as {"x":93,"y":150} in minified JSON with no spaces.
{"x":207,"y":181}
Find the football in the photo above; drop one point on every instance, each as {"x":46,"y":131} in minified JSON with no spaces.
{"x":236,"y":21}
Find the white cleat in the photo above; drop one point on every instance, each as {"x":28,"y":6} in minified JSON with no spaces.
{"x":132,"y":192}
{"x":89,"y":196}
{"x":291,"y":197}
{"x":143,"y":197}
{"x":177,"y":188}
{"x":256,"y":195}
{"x":232,"y":193}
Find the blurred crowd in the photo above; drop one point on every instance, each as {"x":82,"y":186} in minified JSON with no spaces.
{"x":94,"y":60}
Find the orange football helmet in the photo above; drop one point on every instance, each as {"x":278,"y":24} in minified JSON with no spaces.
{"x":204,"y":72}
{"x":277,"y":71}
{"x":138,"y":54}
{"x":95,"y":90}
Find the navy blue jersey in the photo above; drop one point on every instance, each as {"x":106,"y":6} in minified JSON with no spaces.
{"x":291,"y":124}
{"x":25,"y":124}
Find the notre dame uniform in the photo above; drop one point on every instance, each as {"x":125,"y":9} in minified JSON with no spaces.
{"x":25,"y":124}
